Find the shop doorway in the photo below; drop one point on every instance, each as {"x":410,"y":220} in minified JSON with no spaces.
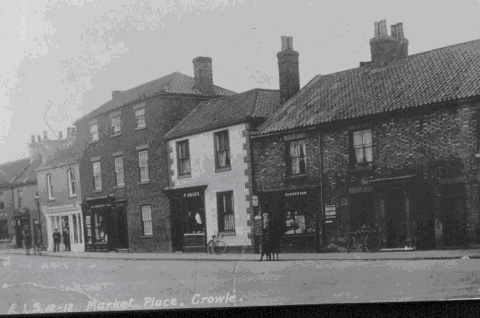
{"x":454,"y":212}
{"x":395,"y":219}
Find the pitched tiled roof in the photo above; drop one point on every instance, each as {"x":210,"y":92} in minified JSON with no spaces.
{"x":226,"y":111}
{"x":61,"y":157}
{"x":175,"y":83}
{"x":439,"y":75}
{"x":11,"y":170}
{"x":29,"y":175}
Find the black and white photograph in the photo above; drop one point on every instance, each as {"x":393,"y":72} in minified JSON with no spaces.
{"x":179,"y":155}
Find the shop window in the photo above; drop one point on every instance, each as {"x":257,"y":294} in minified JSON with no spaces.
{"x":362,"y":147}
{"x":226,"y":216}
{"x":20,"y":198}
{"x":72,"y":191}
{"x":97,"y":176}
{"x":119,"y":174}
{"x":88,"y":226}
{"x":362,"y":211}
{"x":222,"y":150}
{"x":99,"y":227}
{"x":298,"y":213}
{"x":116,"y":125}
{"x":140,"y":118}
{"x":143,"y":165}
{"x":4,"y":230}
{"x":94,"y":132}
{"x":296,"y":162}
{"x":183,"y":154}
{"x":147,"y":220}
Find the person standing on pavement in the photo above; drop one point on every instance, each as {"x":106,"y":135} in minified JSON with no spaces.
{"x":66,"y":239}
{"x":27,"y":239}
{"x":56,"y":240}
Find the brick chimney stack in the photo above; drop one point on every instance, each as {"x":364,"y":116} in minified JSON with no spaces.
{"x":202,"y":70}
{"x":387,"y":48}
{"x":288,"y":71}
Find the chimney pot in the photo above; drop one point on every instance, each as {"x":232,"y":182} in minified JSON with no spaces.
{"x":287,"y":43}
{"x":60,"y":134}
{"x":33,"y":139}
{"x":39,"y":139}
{"x":45,"y":135}
{"x":69,"y":132}
{"x":393,"y":29}
{"x":203,"y":77}
{"x":400,"y":30}
{"x":74,"y":131}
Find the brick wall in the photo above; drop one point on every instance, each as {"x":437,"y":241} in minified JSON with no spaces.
{"x":161,"y":114}
{"x":438,"y":145}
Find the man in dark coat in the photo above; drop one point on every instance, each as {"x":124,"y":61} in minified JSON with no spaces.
{"x":66,"y":239}
{"x":27,"y":239}
{"x":56,"y":240}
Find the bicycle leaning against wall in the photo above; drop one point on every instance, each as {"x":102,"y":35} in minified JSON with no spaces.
{"x":363,"y":239}
{"x":215,"y":245}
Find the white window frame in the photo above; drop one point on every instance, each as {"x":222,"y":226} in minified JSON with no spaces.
{"x":140,"y":118}
{"x":97,"y":175}
{"x":116,"y":125}
{"x":94,"y":132}
{"x":50,"y":187}
{"x":143,"y":165}
{"x":72,"y":191}
{"x":20,"y":198}
{"x":147,"y":223}
{"x":119,"y":172}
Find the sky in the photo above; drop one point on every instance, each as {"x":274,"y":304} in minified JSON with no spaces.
{"x":60,"y":60}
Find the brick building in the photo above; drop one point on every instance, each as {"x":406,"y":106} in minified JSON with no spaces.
{"x":58,"y":182}
{"x":392,"y":144}
{"x":123,"y":164}
{"x":19,"y":205}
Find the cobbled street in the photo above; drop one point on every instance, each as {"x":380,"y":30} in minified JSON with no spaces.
{"x":51,"y":284}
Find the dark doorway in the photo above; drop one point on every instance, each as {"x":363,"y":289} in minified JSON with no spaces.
{"x":362,"y":211}
{"x":395,"y":219}
{"x":122,"y":239}
{"x":425,"y":220}
{"x":454,"y":212}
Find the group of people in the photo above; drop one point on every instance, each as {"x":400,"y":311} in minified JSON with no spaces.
{"x":57,"y":237}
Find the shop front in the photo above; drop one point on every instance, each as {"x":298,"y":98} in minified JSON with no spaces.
{"x":188,"y":219}
{"x":296,"y":214}
{"x":69,"y":222}
{"x":21,"y":219}
{"x":105,"y":222}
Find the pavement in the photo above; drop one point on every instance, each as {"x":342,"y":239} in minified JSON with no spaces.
{"x":382,"y":255}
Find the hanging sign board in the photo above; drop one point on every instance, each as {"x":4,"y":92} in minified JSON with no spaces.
{"x":330,"y":211}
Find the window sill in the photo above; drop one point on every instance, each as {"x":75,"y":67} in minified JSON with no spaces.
{"x":119,"y":187}
{"x":217,"y":170}
{"x":116,"y":135}
{"x":144,"y":182}
{"x":361,"y":168}
{"x":72,"y":196}
{"x":97,"y":191}
{"x":184,"y":176}
{"x":140,"y":128}
{"x":93,"y":141}
{"x":4,"y":240}
{"x":296,"y":176}
{"x":227,"y":233}
{"x":51,"y":200}
{"x":146,"y":236}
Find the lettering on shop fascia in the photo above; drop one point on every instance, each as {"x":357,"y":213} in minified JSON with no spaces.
{"x":63,"y":208}
{"x":191,"y":194}
{"x":290,"y":194}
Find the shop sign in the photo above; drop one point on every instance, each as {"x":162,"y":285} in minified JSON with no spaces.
{"x":330,"y":211}
{"x":291,"y":194}
{"x":191,"y":194}
{"x":254,"y":200}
